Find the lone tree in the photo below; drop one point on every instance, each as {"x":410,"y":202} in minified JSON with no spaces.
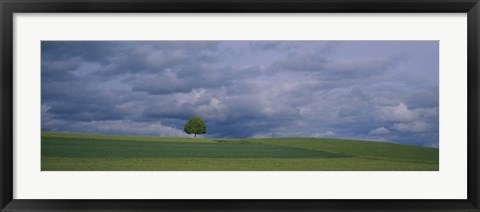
{"x":195,"y":125}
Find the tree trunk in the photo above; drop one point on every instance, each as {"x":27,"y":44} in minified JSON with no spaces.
{"x":195,"y":135}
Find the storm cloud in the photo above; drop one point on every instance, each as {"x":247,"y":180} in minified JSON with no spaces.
{"x":374,"y":90}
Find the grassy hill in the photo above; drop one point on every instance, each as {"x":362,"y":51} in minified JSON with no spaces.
{"x":83,"y":152}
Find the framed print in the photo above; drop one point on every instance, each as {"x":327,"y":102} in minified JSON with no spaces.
{"x":239,"y":105}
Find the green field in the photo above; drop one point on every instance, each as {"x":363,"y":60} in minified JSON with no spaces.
{"x":82,"y":152}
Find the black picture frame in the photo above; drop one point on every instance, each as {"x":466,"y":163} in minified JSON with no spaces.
{"x":9,"y":7}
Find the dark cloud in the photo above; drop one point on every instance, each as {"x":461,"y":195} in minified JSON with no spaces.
{"x":375,"y":90}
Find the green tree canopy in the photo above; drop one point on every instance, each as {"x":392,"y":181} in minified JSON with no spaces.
{"x":195,"y":125}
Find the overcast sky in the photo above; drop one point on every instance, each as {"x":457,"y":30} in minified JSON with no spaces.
{"x":372,"y":90}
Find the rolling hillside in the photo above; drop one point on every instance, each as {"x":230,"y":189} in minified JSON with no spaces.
{"x":83,"y":152}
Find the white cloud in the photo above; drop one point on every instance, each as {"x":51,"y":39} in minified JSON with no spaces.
{"x":416,"y":127}
{"x":401,"y":113}
{"x":189,"y":98}
{"x":379,"y":131}
{"x":328,"y":133}
{"x":122,"y":127}
{"x":215,"y":110}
